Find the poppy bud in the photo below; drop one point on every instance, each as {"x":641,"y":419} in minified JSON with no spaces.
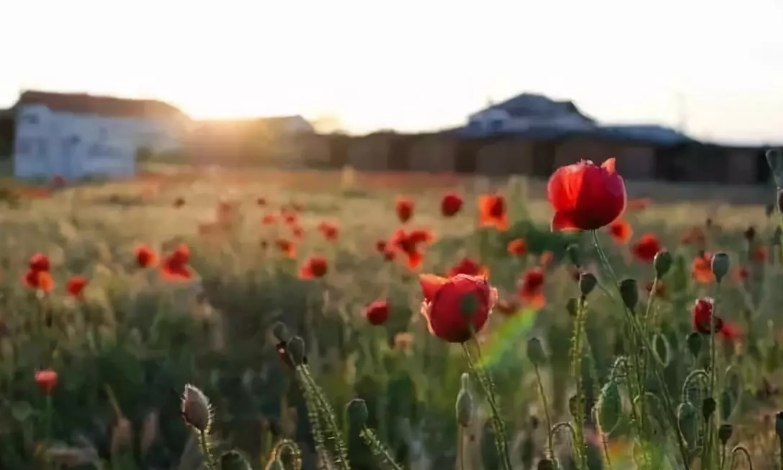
{"x":195,"y":409}
{"x":296,"y":348}
{"x":535,"y":351}
{"x":546,"y":464}
{"x":726,"y":405}
{"x":280,"y":332}
{"x":587,"y":283}
{"x":708,"y":406}
{"x":694,"y":342}
{"x":233,"y":460}
{"x":572,"y":306}
{"x":662,"y":263}
{"x":464,"y":407}
{"x":688,"y":423}
{"x":573,"y":254}
{"x":629,"y":292}
{"x":724,"y":433}
{"x":779,"y":425}
{"x":609,"y":407}
{"x":357,"y":413}
{"x":720,"y":265}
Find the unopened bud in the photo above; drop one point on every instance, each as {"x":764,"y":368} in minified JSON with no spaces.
{"x":535,"y":351}
{"x":724,"y":433}
{"x":629,"y":292}
{"x":694,"y":342}
{"x":708,"y":406}
{"x":587,"y":283}
{"x":573,"y":254}
{"x":280,"y":332}
{"x":720,"y":265}
{"x":296,"y":348}
{"x":779,"y":425}
{"x":357,"y":413}
{"x":464,"y":408}
{"x":196,"y":410}
{"x":546,"y":464}
{"x":233,"y":460}
{"x":662,"y":263}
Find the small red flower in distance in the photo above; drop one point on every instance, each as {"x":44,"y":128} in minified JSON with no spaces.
{"x":701,"y":268}
{"x":46,"y":380}
{"x":492,"y":212}
{"x":517,"y":247}
{"x":404,"y":208}
{"x":469,"y":267}
{"x":297,"y":231}
{"x":145,"y":256}
{"x":530,"y":287}
{"x":286,"y":247}
{"x":39,"y":262}
{"x":41,"y":280}
{"x":456,"y":308}
{"x":269,"y":219}
{"x":175,"y":266}
{"x":329,"y":231}
{"x":621,"y":231}
{"x":646,"y":248}
{"x":450,"y":204}
{"x":586,"y":196}
{"x":760,"y":253}
{"x":704,"y":322}
{"x":408,"y":243}
{"x":75,"y":285}
{"x":315,"y":266}
{"x":742,"y":273}
{"x":377,"y":312}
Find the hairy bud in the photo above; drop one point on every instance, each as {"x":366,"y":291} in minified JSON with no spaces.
{"x":196,"y":410}
{"x":662,"y":263}
{"x":629,"y":292}
{"x":587,"y":283}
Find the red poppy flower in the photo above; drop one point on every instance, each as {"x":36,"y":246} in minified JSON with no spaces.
{"x":646,"y":248}
{"x":329,"y":231}
{"x":701,"y":268}
{"x":377,"y":312}
{"x":457,"y":307}
{"x":175,"y":266}
{"x":178,"y":202}
{"x":507,"y":307}
{"x":450,"y":204}
{"x":286,"y":247}
{"x":469,"y":267}
{"x":404,"y":208}
{"x":145,"y":256}
{"x":586,"y":196}
{"x":741,"y":273}
{"x":517,"y":247}
{"x":704,"y":320}
{"x":421,"y":236}
{"x":41,"y":280}
{"x":315,"y":266}
{"x":290,"y":218}
{"x":39,"y":262}
{"x":269,"y":219}
{"x":409,"y":244}
{"x":492,"y":212}
{"x":759,"y":253}
{"x":75,"y":285}
{"x":621,"y":231}
{"x":46,"y":380}
{"x":530,"y":287}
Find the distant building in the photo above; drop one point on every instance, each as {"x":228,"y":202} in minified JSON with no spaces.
{"x":80,"y":135}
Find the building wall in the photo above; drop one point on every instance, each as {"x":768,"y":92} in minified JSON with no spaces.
{"x":505,"y":157}
{"x":433,"y":153}
{"x":370,"y":152}
{"x":741,"y":166}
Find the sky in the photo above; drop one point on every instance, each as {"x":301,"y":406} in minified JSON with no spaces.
{"x":713,"y":67}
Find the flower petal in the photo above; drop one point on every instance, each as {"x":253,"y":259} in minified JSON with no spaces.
{"x":563,"y":221}
{"x":609,"y":165}
{"x":430,"y":284}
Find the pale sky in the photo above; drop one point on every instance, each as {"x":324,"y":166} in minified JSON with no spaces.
{"x":716,"y":65}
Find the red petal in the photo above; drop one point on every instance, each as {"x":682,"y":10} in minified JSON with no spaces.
{"x":563,"y":221}
{"x":430,"y":284}
{"x":609,"y":165}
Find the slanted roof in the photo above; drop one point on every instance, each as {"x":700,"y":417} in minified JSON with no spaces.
{"x":653,"y":133}
{"x":537,"y":106}
{"x":83,"y":103}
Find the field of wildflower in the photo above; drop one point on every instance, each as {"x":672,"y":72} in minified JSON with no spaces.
{"x":216,"y":320}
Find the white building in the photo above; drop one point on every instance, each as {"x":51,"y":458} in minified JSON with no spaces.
{"x":526,"y":112}
{"x":80,"y":135}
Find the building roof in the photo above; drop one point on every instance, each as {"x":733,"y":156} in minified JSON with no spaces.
{"x":653,"y":133}
{"x":83,"y":103}
{"x":535,"y":105}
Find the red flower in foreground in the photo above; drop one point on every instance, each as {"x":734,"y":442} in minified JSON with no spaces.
{"x":75,"y":285}
{"x":469,"y":267}
{"x":175,"y":266}
{"x":404,"y":208}
{"x":621,"y":231}
{"x":701,"y":268}
{"x":455,"y":308}
{"x":46,"y":380}
{"x":492,"y":212}
{"x":530,"y":288}
{"x":145,"y":256}
{"x":286,"y":247}
{"x":586,"y":196}
{"x":315,"y":266}
{"x":705,"y":322}
{"x":39,"y":262}
{"x":646,"y":248}
{"x":450,"y":204}
{"x":517,"y":247}
{"x":329,"y":231}
{"x":377,"y":312}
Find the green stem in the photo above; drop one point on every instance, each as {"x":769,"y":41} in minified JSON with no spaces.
{"x":203,"y":443}
{"x":49,"y":416}
{"x":547,"y":416}
{"x":576,"y":372}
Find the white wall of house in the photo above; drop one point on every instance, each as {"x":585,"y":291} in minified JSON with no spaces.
{"x":500,"y":120}
{"x":73,"y":146}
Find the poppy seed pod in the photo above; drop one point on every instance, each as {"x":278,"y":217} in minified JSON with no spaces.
{"x":195,"y":409}
{"x":587,"y":283}
{"x":296,"y":348}
{"x":535,"y":351}
{"x":724,"y":433}
{"x":280,"y":332}
{"x":546,"y":464}
{"x":233,"y":460}
{"x":357,"y":413}
{"x":573,"y":254}
{"x":629,"y":292}
{"x":779,"y":425}
{"x":694,"y":342}
{"x":708,"y":406}
{"x":662,"y":263}
{"x":720,"y":265}
{"x":464,"y":407}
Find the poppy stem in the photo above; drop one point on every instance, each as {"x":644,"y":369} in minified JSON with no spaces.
{"x":710,"y":420}
{"x":547,"y":416}
{"x":576,"y":372}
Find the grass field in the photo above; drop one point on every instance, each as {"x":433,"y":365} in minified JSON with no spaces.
{"x":125,"y":347}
